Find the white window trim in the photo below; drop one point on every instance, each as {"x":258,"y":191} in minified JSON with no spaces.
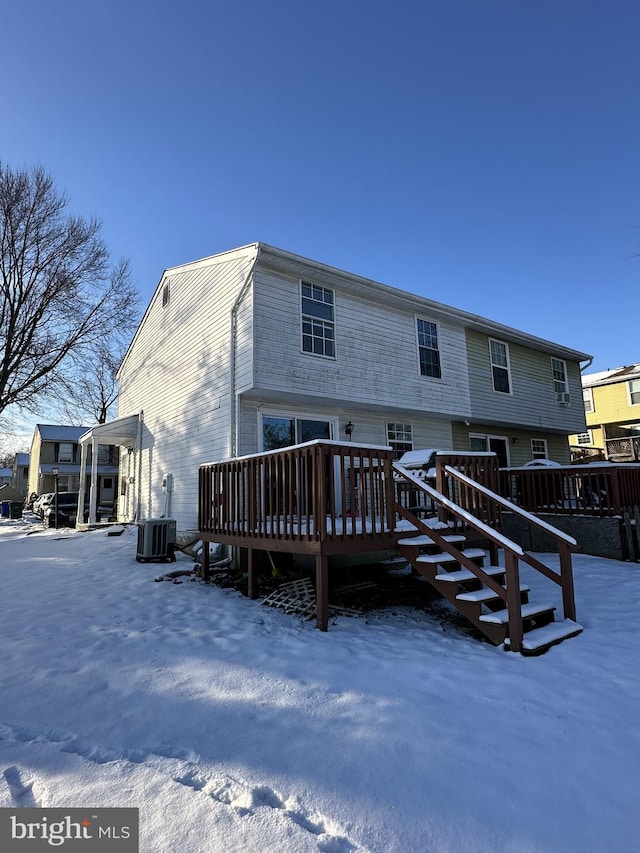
{"x":589,"y":394}
{"x":438,"y":350}
{"x":588,"y":436}
{"x":565,"y":381}
{"x":333,"y":322}
{"x":404,"y":424}
{"x":629,"y":382}
{"x":545,"y":451}
{"x":60,"y":459}
{"x":501,"y":366}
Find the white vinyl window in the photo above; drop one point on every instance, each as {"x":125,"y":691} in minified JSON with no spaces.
{"x":539,"y":448}
{"x":584,"y":437}
{"x":559,"y":370}
{"x":500,"y":366}
{"x":587,"y":396}
{"x":65,"y":451}
{"x":634,"y":392}
{"x":428,"y":349}
{"x":400,"y":438}
{"x":318,"y":322}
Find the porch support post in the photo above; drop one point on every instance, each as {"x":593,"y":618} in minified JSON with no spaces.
{"x":82,"y":483}
{"x":93,"y":491}
{"x":253,"y":577}
{"x":322,"y":592}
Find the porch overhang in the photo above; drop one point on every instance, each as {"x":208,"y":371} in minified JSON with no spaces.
{"x":122,"y":432}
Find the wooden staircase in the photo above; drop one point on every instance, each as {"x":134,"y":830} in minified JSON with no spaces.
{"x":490,"y":597}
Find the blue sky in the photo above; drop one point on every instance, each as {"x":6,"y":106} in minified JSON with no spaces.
{"x":483,"y":153}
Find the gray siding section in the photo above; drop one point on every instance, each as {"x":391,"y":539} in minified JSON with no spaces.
{"x":532,"y":400}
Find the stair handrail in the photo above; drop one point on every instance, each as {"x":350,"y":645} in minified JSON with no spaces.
{"x":566,"y":543}
{"x":510,"y":594}
{"x":479,"y":525}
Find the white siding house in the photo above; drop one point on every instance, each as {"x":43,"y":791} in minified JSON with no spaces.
{"x":257,"y":347}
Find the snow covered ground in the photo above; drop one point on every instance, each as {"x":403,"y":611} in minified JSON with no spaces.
{"x":234,"y":727}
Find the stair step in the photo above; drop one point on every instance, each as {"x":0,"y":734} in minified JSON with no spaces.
{"x":423,"y":540}
{"x":441,"y":559}
{"x":501,"y":617}
{"x":466,"y":575}
{"x":547,"y":635}
{"x":392,"y":561}
{"x":484,"y":594}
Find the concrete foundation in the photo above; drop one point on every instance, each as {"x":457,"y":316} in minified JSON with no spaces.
{"x":613,"y":537}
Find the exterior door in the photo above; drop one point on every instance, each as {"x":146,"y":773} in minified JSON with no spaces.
{"x":283,"y":431}
{"x":499,"y":446}
{"x":279,"y":431}
{"x":107,"y":490}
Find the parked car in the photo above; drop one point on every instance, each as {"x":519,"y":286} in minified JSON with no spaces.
{"x":42,"y":502}
{"x":67,"y":509}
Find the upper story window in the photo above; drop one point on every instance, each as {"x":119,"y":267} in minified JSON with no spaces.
{"x":318,"y":322}
{"x":538,"y":448}
{"x":500,"y":367}
{"x":400,"y":438}
{"x":65,"y":452}
{"x":166,"y":295}
{"x":587,"y":396}
{"x":559,"y":370}
{"x":634,"y":392}
{"x":428,"y":350}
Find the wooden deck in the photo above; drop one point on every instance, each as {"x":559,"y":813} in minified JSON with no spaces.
{"x":326,"y":498}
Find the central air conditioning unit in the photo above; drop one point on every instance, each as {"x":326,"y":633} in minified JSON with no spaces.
{"x":563,"y":398}
{"x":156,"y":540}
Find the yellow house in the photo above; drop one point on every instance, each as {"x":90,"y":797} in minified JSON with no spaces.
{"x":612,"y":409}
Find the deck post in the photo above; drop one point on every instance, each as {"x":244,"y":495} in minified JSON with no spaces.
{"x":566,"y":574}
{"x":322,"y":592}
{"x":205,"y":562}
{"x":252,"y":576}
{"x":514,"y":605}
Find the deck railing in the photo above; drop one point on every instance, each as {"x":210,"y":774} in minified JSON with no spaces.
{"x":513,"y":553}
{"x":626,"y":448}
{"x":597,"y":490}
{"x":306,"y":497}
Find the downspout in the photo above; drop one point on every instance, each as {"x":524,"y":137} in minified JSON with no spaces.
{"x":233,"y":402}
{"x":587,"y":365}
{"x":139,"y":472}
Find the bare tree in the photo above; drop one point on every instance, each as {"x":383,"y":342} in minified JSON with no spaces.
{"x":60,"y":296}
{"x":91,"y":388}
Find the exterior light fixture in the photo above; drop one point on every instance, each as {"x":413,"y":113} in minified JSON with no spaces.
{"x":348,"y":430}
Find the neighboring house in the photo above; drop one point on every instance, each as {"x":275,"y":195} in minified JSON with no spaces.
{"x":20,"y":474}
{"x":258,"y":348}
{"x":612,"y":407}
{"x":6,"y":476}
{"x":55,"y":446}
